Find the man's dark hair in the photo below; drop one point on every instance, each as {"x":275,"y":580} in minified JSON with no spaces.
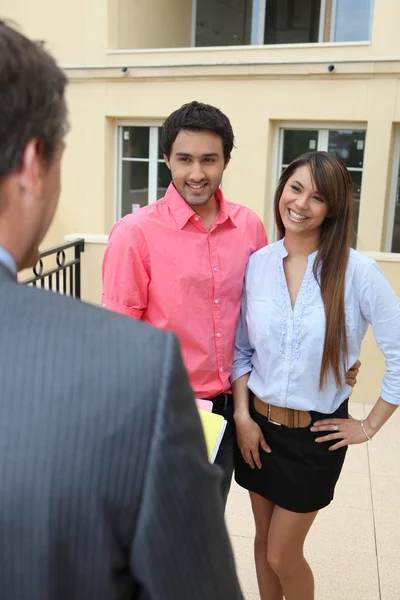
{"x":32,"y":103}
{"x":196,"y":116}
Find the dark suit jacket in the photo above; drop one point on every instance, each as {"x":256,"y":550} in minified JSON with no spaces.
{"x":105,"y":488}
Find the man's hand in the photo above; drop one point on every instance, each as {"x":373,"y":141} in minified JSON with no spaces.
{"x":351,"y":375}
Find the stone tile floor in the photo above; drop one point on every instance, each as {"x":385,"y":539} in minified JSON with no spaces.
{"x":354,"y":544}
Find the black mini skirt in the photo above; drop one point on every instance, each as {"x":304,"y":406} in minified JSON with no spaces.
{"x":299,"y":474}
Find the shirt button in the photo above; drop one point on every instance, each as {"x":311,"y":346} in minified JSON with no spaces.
{"x":215,"y":269}
{"x":104,"y":306}
{"x":196,"y":218}
{"x":218,"y":335}
{"x":216,"y":301}
{"x":221,"y":370}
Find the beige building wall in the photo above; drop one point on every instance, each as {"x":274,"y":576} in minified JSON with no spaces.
{"x":168,"y":23}
{"x":74,"y":31}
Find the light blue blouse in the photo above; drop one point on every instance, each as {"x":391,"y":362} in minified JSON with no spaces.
{"x":282,"y":347}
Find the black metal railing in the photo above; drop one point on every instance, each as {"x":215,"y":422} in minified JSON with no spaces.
{"x":65,"y":277}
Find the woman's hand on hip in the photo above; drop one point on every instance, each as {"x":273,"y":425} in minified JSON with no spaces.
{"x":343,"y":431}
{"x":250,"y":438}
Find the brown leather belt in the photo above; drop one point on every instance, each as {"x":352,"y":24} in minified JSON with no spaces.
{"x":279,"y":415}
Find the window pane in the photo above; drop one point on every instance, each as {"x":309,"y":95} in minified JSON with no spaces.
{"x":135,"y":186}
{"x":298,"y":141}
{"x":349,"y":146}
{"x":135,"y":142}
{"x":223,"y":22}
{"x":163,"y":180}
{"x":353,"y":20}
{"x":396,"y":225}
{"x":291,"y":21}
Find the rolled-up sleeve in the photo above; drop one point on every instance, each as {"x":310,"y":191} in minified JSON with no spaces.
{"x":126,"y":272}
{"x":381,"y":308}
{"x":243,"y":350}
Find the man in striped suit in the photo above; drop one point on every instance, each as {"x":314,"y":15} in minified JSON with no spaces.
{"x":105,"y":488}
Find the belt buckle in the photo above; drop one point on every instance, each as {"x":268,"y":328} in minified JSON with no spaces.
{"x":269,"y":417}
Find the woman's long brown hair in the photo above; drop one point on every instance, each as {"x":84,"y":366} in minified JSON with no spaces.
{"x":334,"y":184}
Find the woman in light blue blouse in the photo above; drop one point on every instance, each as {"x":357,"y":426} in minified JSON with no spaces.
{"x":307,"y":303}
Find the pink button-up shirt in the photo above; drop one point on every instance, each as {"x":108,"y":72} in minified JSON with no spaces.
{"x":162,"y":266}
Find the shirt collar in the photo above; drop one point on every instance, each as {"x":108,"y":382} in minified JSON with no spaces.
{"x":8,"y":261}
{"x":182,"y":212}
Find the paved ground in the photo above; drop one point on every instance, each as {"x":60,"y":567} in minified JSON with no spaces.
{"x":354,"y":545}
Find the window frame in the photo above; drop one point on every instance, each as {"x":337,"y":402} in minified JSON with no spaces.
{"x":194,"y":21}
{"x":333,"y":20}
{"x":153,"y":160}
{"x":391,"y":214}
{"x":258,"y":9}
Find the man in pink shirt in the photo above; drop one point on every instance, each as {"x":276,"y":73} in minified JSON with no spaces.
{"x":179,"y":263}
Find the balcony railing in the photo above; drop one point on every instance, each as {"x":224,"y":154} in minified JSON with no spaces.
{"x":65,"y":276}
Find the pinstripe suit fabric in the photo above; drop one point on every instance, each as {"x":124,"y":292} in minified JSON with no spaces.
{"x":105,"y":489}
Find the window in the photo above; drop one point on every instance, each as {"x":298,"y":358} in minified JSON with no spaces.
{"x":393,"y":231}
{"x":245,"y":22}
{"x":143,"y":177}
{"x":346,"y":144}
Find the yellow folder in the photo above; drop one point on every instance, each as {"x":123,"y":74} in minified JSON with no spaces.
{"x":214,"y":428}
